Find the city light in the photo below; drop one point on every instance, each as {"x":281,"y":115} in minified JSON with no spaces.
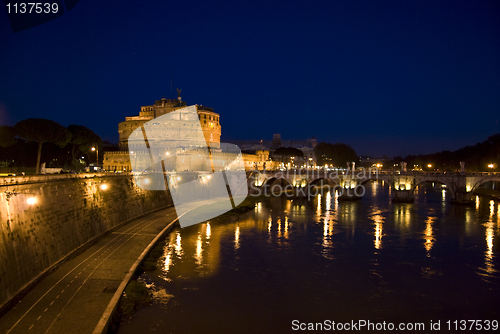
{"x":103,"y":186}
{"x":95,"y":148}
{"x":491,"y":166}
{"x":429,"y":165}
{"x":31,"y":200}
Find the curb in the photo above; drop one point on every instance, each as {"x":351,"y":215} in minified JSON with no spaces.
{"x":102,"y":325}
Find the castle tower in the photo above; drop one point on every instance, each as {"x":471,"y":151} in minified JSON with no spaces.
{"x":209,"y":120}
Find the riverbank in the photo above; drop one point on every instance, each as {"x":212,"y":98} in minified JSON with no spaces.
{"x":94,"y":279}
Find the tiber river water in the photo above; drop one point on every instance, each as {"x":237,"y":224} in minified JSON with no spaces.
{"x":323,"y":259}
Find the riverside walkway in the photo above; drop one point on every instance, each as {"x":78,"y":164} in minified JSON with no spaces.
{"x":76,"y":295}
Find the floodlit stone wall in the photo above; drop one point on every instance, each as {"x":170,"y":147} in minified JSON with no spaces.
{"x":44,"y":218}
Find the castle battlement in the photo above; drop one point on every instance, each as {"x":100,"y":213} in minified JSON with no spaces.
{"x":210,"y":125}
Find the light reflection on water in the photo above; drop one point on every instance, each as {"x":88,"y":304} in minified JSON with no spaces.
{"x":237,"y":238}
{"x":489,"y":255}
{"x":379,"y":223}
{"x":429,"y":234}
{"x":369,"y":259}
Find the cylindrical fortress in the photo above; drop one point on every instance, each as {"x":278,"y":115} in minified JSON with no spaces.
{"x":209,"y":120}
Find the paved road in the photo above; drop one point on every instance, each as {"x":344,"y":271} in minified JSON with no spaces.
{"x":73,"y":298}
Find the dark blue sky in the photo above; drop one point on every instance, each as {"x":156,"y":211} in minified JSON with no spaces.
{"x":386,"y":77}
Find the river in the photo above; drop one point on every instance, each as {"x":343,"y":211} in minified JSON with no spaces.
{"x":324,"y":259}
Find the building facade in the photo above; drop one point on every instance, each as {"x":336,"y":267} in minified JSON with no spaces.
{"x":209,"y":120}
{"x":119,"y":161}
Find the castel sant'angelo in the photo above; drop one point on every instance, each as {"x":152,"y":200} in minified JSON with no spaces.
{"x":119,"y":161}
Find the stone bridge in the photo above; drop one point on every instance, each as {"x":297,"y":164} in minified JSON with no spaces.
{"x":301,"y":182}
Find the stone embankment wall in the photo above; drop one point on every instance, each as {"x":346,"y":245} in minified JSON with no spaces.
{"x":70,"y":210}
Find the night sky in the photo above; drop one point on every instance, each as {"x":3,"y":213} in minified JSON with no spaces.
{"x":386,"y":77}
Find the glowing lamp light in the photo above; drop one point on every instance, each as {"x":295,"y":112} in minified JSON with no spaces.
{"x":178,"y":178}
{"x":103,"y":186}
{"x":167,"y":153}
{"x":209,"y":177}
{"x":31,"y":200}
{"x":429,"y":165}
{"x":92,"y":149}
{"x":146,"y":181}
{"x":491,"y":166}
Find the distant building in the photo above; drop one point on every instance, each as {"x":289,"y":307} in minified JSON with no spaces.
{"x":305,"y":145}
{"x":368,"y":162}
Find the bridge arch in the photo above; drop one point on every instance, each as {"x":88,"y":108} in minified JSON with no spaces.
{"x":365,"y":181}
{"x":386,"y":181}
{"x":449,"y":186}
{"x":484,"y":180}
{"x":316,"y":181}
{"x":270,"y":183}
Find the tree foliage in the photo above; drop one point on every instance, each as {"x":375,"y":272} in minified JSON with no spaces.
{"x":337,"y":154}
{"x":284,"y":154}
{"x":7,"y":136}
{"x":476,"y":157}
{"x":42,"y":131}
{"x":82,"y":139}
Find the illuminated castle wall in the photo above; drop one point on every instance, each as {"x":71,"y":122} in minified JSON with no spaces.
{"x":210,"y":121}
{"x":210,"y":124}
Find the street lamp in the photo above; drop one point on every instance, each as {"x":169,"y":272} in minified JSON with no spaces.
{"x":31,"y":199}
{"x":95,"y":148}
{"x":491,"y":166}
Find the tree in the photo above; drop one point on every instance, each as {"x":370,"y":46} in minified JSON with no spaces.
{"x":82,"y":139}
{"x":7,"y":136}
{"x":42,"y":131}
{"x":337,"y":154}
{"x":284,"y":154}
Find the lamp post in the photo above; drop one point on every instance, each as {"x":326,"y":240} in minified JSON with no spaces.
{"x":95,"y":147}
{"x":491,"y":167}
